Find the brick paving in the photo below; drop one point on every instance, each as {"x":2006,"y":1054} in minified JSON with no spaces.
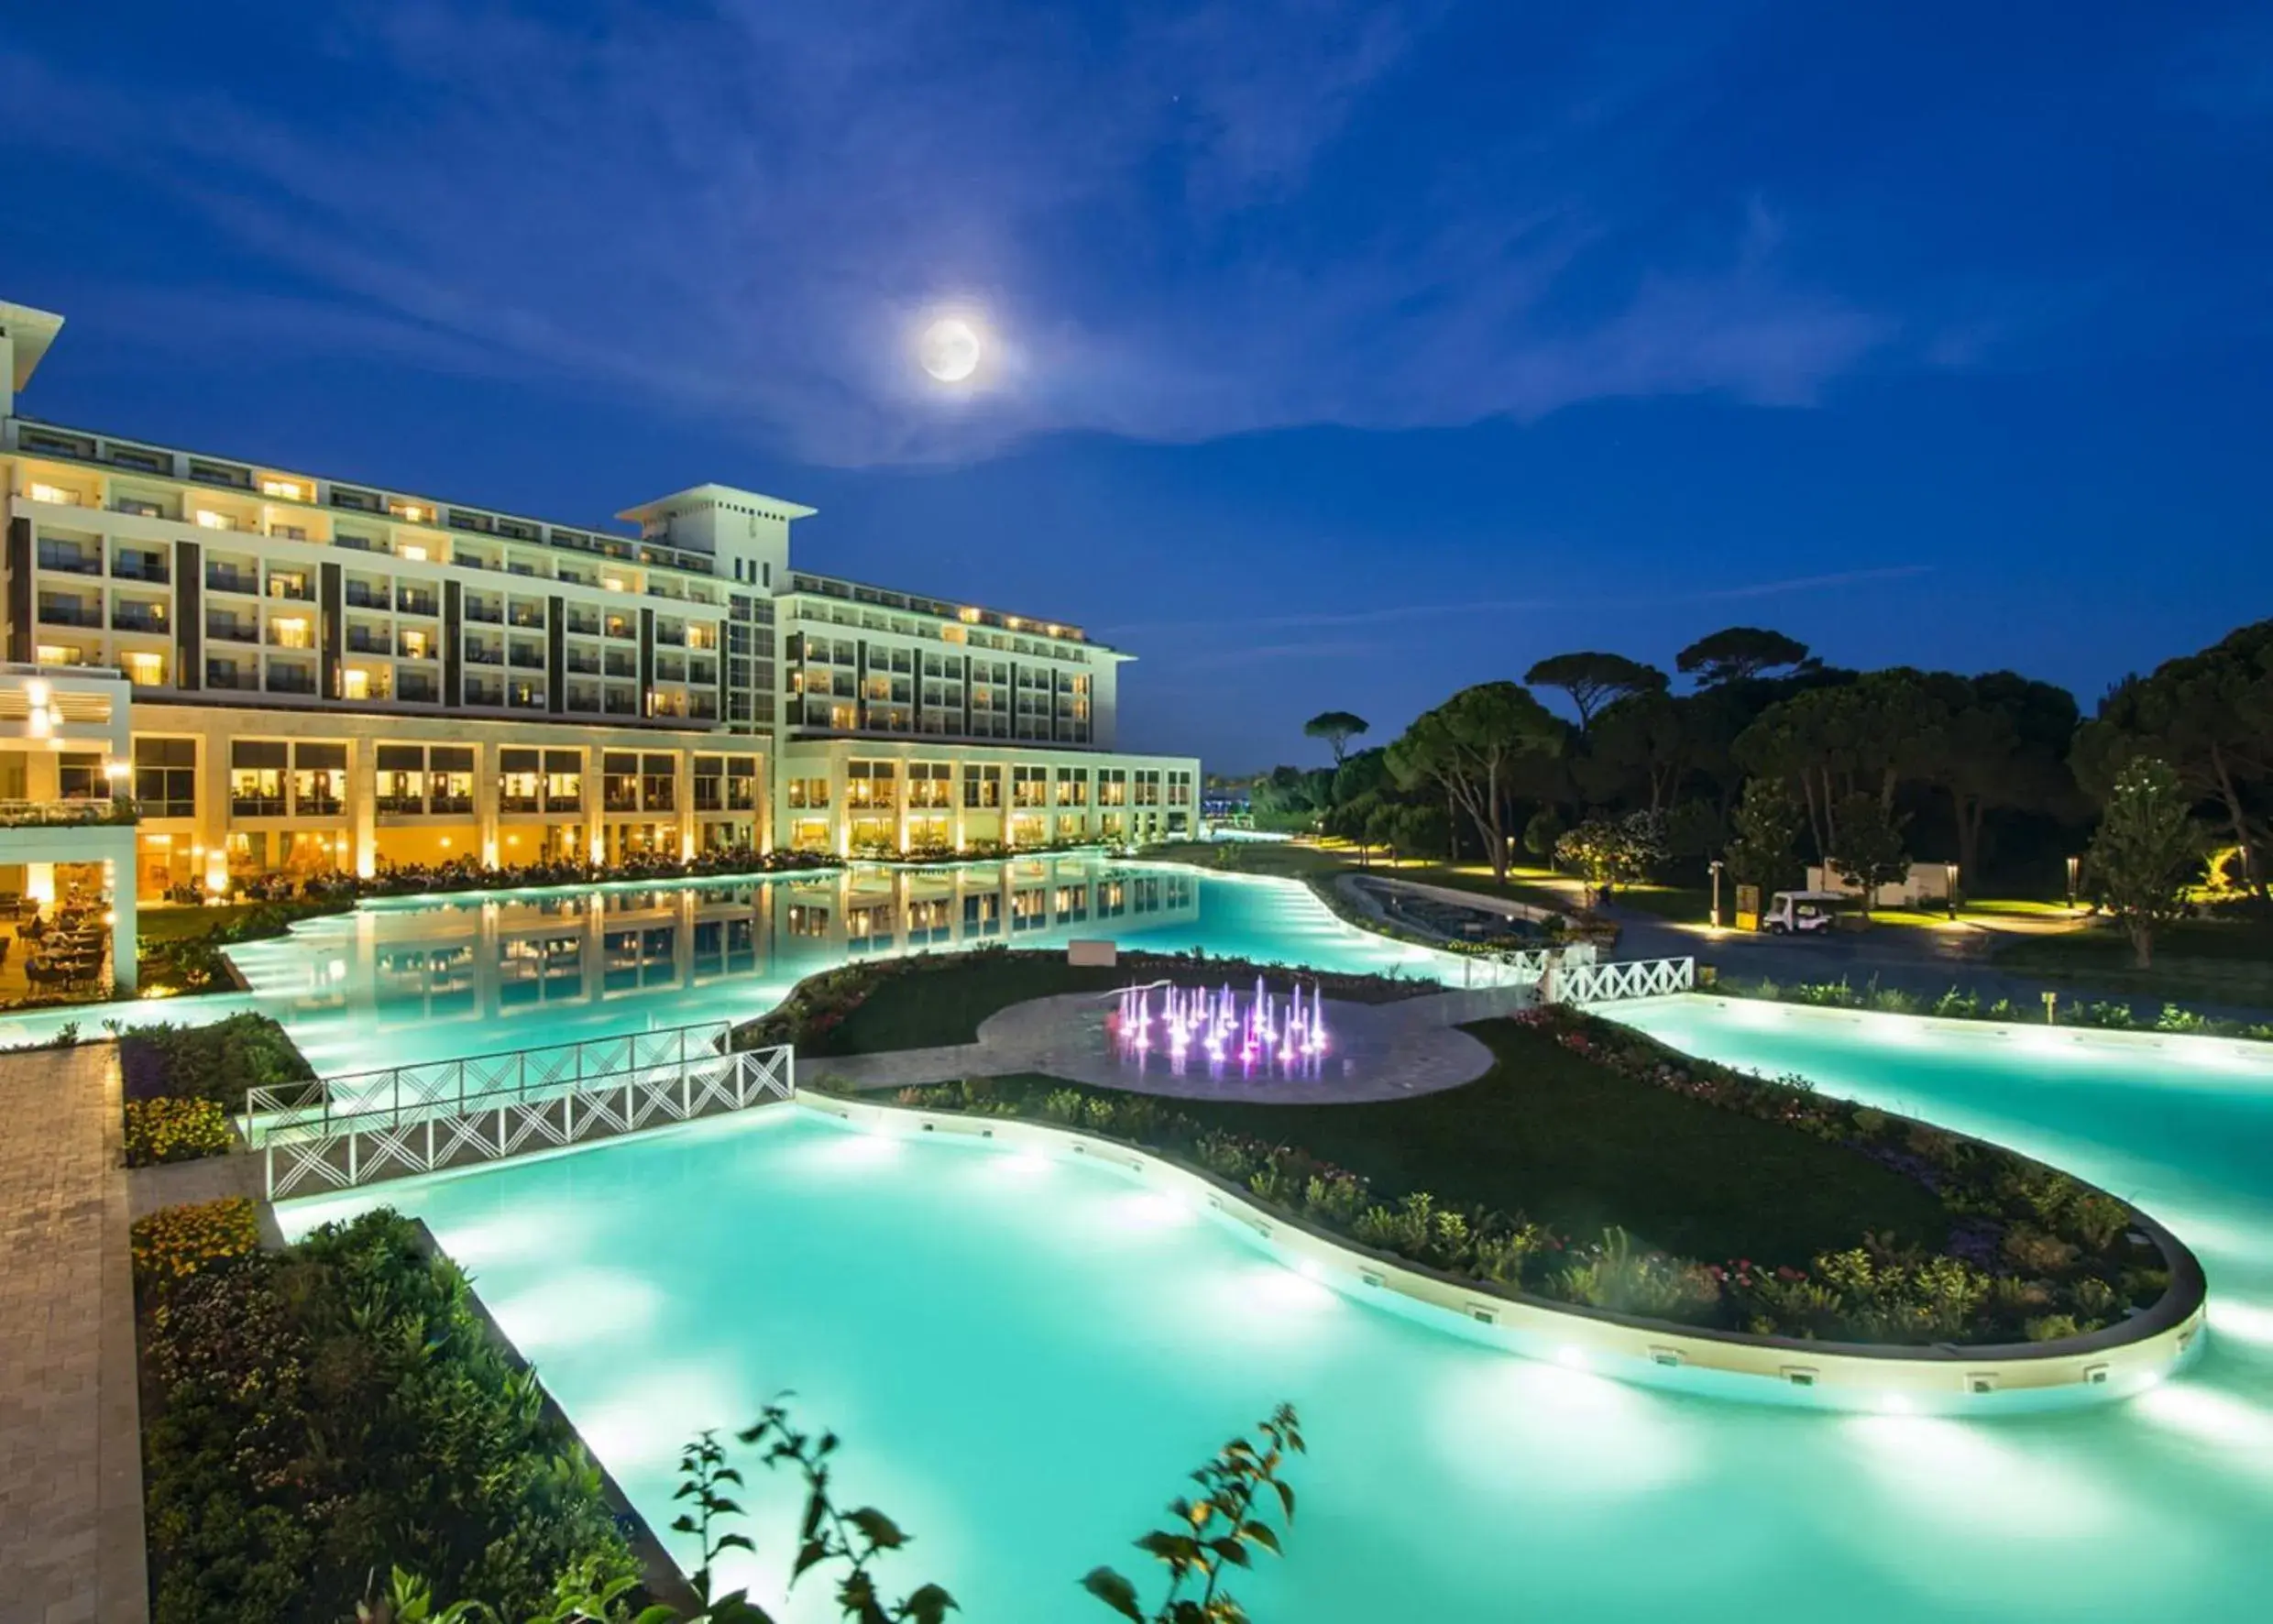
{"x":71,"y":1457}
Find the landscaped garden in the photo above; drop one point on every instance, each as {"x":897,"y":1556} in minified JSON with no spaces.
{"x":1589,"y":1165}
{"x":184,"y":1083}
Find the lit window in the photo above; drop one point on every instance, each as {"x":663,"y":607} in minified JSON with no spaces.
{"x":415,"y":555}
{"x":53,"y":654}
{"x":209,"y":519}
{"x":145,"y":671}
{"x":54,"y":493}
{"x":359,"y":684}
{"x":291,"y":491}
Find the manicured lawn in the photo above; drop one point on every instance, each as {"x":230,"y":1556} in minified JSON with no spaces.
{"x":929,"y":1008}
{"x":2220,"y":961}
{"x":1578,"y":1146}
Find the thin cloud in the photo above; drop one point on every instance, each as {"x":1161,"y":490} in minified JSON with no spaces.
{"x":738,"y":214}
{"x":1501,"y":605}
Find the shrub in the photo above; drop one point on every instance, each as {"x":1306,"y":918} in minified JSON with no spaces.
{"x":319,"y":1412}
{"x":217,"y":1062}
{"x":2033,"y":1252}
{"x":173,"y":1244}
{"x":1614,"y":1274}
{"x":1068,"y":1106}
{"x":163,"y":1130}
{"x":2051,"y":1328}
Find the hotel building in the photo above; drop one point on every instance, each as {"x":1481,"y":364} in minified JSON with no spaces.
{"x":328,"y":673}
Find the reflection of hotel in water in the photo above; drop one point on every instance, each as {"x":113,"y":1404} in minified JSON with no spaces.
{"x":499,"y":956}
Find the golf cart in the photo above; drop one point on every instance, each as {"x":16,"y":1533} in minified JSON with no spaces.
{"x":1801,"y":913}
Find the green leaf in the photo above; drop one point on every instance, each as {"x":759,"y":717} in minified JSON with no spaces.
{"x":1285,"y":1497}
{"x":811,"y":1552}
{"x":1260,"y":1533}
{"x":1230,"y":1551}
{"x":1114,"y":1591}
{"x":928,"y":1605}
{"x":735,"y":1542}
{"x":880,"y":1531}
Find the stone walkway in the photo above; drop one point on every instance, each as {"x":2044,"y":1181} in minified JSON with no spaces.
{"x":70,"y":1453}
{"x":1377,"y":1051}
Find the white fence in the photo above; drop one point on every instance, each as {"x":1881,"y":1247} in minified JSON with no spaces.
{"x":349,"y":1131}
{"x":1613,"y":979}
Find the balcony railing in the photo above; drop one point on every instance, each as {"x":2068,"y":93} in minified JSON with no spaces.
{"x":415,"y":603}
{"x":151,"y":571}
{"x":71,"y":564}
{"x":484,"y":615}
{"x":231,"y":580}
{"x":71,"y":614}
{"x":137,"y":618}
{"x":477,"y":655}
{"x":366,"y":597}
{"x":79,"y":810}
{"x":231,"y":631}
{"x":285,"y":680}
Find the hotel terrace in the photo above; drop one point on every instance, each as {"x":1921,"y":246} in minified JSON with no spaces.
{"x":326,"y":674}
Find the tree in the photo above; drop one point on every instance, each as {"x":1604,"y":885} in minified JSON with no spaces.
{"x":1607,"y":853}
{"x":1870,"y":852}
{"x":2003,"y":743}
{"x":2208,"y":717}
{"x":1542,"y":831}
{"x":1767,"y":822}
{"x":1594,"y":679}
{"x":1337,"y":728}
{"x":1467,"y":747}
{"x":1291,"y":797}
{"x":1837,"y":743}
{"x":2146,"y":848}
{"x":1639,"y":742}
{"x":1738,"y":654}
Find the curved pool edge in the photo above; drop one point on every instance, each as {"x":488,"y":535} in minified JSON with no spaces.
{"x":2105,"y":1366}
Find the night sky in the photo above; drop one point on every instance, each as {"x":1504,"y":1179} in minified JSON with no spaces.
{"x":1340,"y":356}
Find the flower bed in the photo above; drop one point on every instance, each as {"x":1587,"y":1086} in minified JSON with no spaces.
{"x":183,"y":1083}
{"x":175,"y":1243}
{"x":2031,"y":1253}
{"x":1957,"y":1004}
{"x":312,"y":1417}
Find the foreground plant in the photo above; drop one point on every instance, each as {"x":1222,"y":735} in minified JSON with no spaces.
{"x":1218,"y":1531}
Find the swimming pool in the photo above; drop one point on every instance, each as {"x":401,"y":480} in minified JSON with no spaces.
{"x":400,"y":980}
{"x":1025,"y":1356}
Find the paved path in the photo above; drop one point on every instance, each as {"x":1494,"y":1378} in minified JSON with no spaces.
{"x":70,"y":1454}
{"x":1377,"y":1051}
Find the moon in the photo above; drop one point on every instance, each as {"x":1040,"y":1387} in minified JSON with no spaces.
{"x":950,"y":349}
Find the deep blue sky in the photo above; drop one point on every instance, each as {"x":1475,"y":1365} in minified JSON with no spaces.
{"x":1347,"y":353}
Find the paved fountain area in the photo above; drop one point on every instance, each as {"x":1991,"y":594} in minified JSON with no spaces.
{"x":1373,"y":1051}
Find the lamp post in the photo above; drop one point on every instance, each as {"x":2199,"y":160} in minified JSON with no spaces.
{"x":1950,"y":887}
{"x":1716,"y":894}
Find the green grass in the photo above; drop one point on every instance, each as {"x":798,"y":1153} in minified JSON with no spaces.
{"x":931,"y":1008}
{"x":176,"y":921}
{"x":2216,"y":960}
{"x":1578,"y":1146}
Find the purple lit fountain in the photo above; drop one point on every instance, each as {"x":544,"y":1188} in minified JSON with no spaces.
{"x":1232,"y":1034}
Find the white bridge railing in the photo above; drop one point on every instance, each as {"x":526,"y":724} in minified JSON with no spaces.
{"x":1613,"y":978}
{"x":342,"y":1132}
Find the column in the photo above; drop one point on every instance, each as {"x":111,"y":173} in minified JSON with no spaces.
{"x":683,"y":798}
{"x":595,"y":814}
{"x":363,"y":805}
{"x":120,"y":872}
{"x":903,"y":785}
{"x":486,"y":802}
{"x":839,"y":815}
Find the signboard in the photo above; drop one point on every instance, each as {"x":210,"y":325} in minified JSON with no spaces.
{"x":1748,"y":907}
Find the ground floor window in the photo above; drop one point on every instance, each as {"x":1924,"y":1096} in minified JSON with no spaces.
{"x":808,"y":834}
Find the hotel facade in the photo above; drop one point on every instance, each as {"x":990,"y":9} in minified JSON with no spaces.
{"x":331,"y":675}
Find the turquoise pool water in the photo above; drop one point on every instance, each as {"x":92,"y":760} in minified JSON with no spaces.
{"x":402,"y":980}
{"x":1025,"y":1356}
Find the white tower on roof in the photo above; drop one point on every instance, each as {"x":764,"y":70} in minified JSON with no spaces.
{"x":747,"y":534}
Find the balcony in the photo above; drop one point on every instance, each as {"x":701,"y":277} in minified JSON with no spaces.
{"x":485,"y":692}
{"x":62,"y":611}
{"x":139,"y":616}
{"x":409,"y":602}
{"x":361,"y":642}
{"x":220,"y":579}
{"x":484,"y":614}
{"x":622,"y":704}
{"x":78,"y":810}
{"x":69,"y":561}
{"x":364,"y":596}
{"x":231,"y":630}
{"x":446,"y":802}
{"x":583,"y":625}
{"x":581,"y":664}
{"x":418,"y":687}
{"x":528,"y":620}
{"x":295,"y":589}
{"x":677,"y":640}
{"x":527,"y":659}
{"x":147,"y":568}
{"x":477,"y":654}
{"x":290,"y":679}
{"x":220,"y":673}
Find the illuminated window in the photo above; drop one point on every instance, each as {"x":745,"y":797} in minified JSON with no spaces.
{"x":291,"y":632}
{"x":291,"y":491}
{"x":209,"y":519}
{"x":358,"y":682}
{"x":145,"y":671}
{"x":56,"y":654}
{"x":54,"y":493}
{"x":416,"y":554}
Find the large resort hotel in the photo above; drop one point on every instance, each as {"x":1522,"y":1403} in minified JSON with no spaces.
{"x":324,"y":674}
